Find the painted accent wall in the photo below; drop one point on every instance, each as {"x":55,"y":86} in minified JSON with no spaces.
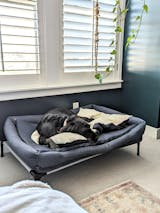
{"x":141,"y":68}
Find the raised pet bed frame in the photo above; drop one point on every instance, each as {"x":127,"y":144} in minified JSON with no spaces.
{"x":39,"y":162}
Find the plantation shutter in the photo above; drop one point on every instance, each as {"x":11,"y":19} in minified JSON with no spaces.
{"x":78,"y":34}
{"x":19,"y":39}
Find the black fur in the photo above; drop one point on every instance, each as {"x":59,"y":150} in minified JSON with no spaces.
{"x":78,"y":125}
{"x":52,"y":123}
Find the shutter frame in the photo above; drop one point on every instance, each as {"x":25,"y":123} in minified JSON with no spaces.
{"x":19,"y":36}
{"x":70,"y":33}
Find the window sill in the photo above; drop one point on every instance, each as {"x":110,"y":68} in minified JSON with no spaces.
{"x":15,"y":73}
{"x":62,"y":89}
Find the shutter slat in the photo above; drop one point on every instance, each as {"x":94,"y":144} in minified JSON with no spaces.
{"x":77,"y":26}
{"x":16,"y":7}
{"x":20,"y":36}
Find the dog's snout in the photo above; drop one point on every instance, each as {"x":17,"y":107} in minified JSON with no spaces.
{"x":42,"y":140}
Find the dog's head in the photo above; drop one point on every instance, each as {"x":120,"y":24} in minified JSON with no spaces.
{"x":48,"y":126}
{"x":78,"y":125}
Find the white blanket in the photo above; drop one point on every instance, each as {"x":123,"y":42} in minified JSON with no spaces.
{"x":35,"y":197}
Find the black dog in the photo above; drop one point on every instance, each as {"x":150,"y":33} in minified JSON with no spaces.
{"x":53,"y":122}
{"x":78,"y":125}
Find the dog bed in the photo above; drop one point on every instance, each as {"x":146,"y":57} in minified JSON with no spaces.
{"x":41,"y":160}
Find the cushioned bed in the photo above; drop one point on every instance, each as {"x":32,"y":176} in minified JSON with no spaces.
{"x":41,"y":159}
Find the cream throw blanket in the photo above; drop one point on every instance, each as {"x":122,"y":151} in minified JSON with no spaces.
{"x":97,"y":116}
{"x":61,"y":138}
{"x":35,"y":197}
{"x":102,"y":118}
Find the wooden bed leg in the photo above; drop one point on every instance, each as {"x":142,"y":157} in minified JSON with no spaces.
{"x":2,"y":149}
{"x":138,"y":149}
{"x":37,"y":176}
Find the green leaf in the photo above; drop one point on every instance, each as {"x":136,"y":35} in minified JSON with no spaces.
{"x":114,"y":52}
{"x":133,"y":36}
{"x":133,"y":31}
{"x":117,"y":2}
{"x":118,"y":29}
{"x":114,"y":10}
{"x":112,"y":42}
{"x":108,"y":69}
{"x":124,"y":11}
{"x":97,"y":76}
{"x":127,"y":44}
{"x":115,"y":19}
{"x":145,"y":7}
{"x":128,"y":41}
{"x":138,"y":18}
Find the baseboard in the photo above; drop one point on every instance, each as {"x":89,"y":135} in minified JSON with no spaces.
{"x":152,"y":132}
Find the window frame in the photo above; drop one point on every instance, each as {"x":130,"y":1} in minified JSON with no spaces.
{"x":116,"y":75}
{"x":14,"y":5}
{"x":23,"y":78}
{"x":91,"y":66}
{"x":52,"y":80}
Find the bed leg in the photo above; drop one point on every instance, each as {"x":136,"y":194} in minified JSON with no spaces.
{"x":138,"y":149}
{"x":2,"y":149}
{"x":37,"y":176}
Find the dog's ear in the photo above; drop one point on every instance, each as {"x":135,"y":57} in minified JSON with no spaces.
{"x":60,"y":121}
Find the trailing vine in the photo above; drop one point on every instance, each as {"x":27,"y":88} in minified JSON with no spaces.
{"x":120,"y":14}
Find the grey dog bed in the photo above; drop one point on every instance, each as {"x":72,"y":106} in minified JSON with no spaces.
{"x":41,"y":159}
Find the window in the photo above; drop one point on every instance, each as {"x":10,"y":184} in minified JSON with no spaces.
{"x":32,"y":46}
{"x":78,"y":28}
{"x":19,"y":39}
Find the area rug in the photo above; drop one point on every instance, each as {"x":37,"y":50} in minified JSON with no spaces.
{"x":127,"y":197}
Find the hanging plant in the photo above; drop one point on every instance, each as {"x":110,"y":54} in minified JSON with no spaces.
{"x":120,"y":14}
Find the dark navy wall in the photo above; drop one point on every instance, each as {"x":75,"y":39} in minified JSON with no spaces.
{"x":141,"y":67}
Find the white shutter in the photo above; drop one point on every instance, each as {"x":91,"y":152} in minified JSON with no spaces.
{"x":78,"y":34}
{"x":19,"y":38}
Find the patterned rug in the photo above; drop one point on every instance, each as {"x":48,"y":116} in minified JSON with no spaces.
{"x":127,"y":197}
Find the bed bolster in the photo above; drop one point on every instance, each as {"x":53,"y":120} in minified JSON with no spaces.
{"x":102,"y":109}
{"x":24,"y":151}
{"x":132,"y":137}
{"x":32,"y":157}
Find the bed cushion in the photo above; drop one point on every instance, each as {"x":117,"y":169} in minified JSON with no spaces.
{"x":61,"y":138}
{"x":88,"y":113}
{"x":25,"y":129}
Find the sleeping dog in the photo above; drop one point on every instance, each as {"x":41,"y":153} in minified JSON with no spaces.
{"x":61,"y":120}
{"x":51,"y":123}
